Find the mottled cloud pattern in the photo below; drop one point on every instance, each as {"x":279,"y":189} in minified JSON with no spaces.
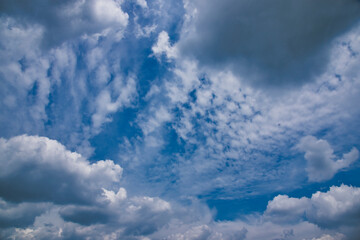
{"x":179,"y":120}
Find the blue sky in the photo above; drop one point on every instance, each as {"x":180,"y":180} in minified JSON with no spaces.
{"x":139,"y":119}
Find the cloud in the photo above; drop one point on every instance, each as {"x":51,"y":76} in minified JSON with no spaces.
{"x":212,"y":232}
{"x":97,"y":206}
{"x":40,"y":176}
{"x":105,"y":104}
{"x":329,"y":237}
{"x":247,"y":131}
{"x":340,"y":206}
{"x":320,"y":158}
{"x":142,"y":3}
{"x":283,"y":209}
{"x":67,"y":19}
{"x":269,"y":43}
{"x":20,"y":215}
{"x":39,"y":169}
{"x":195,"y":131}
{"x":162,"y":46}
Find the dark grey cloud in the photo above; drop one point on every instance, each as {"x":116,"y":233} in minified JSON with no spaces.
{"x":20,"y":215}
{"x":281,"y":42}
{"x":63,"y":20}
{"x":85,"y":215}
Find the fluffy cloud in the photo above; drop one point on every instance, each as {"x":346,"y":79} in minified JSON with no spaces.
{"x":39,"y":176}
{"x":97,"y":206}
{"x":49,"y":172}
{"x":65,"y":20}
{"x":338,"y":207}
{"x":320,"y":158}
{"x":192,"y":130}
{"x":273,"y":43}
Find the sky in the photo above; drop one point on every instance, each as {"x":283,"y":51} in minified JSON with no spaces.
{"x":180,"y":119}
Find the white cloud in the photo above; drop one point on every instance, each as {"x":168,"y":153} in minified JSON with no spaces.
{"x":283,"y":209}
{"x":49,"y":172}
{"x":162,"y":46}
{"x":142,"y":3}
{"x":109,"y":12}
{"x":157,"y":118}
{"x":123,"y":92}
{"x":329,"y":237}
{"x":338,"y":207}
{"x":321,"y":163}
{"x":69,"y":196}
{"x":109,"y":213}
{"x":66,"y":20}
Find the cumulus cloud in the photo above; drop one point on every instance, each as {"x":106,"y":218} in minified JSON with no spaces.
{"x":340,"y":206}
{"x":273,"y":43}
{"x":20,"y":215}
{"x":320,"y":158}
{"x":40,"y":175}
{"x":65,"y":20}
{"x":109,"y":212}
{"x":40,"y":169}
{"x":283,"y":209}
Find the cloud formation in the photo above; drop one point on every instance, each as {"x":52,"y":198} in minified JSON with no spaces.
{"x":269,"y":43}
{"x":340,"y":206}
{"x":40,"y":169}
{"x":161,"y":87}
{"x":39,"y":175}
{"x":320,"y":159}
{"x":64,"y":20}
